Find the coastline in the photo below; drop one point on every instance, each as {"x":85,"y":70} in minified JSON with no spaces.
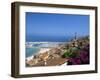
{"x":59,"y":55}
{"x":42,"y":50}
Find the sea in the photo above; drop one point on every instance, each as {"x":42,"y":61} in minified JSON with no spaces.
{"x":33,"y":46}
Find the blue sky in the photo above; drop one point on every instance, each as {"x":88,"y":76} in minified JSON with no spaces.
{"x":45,"y":24}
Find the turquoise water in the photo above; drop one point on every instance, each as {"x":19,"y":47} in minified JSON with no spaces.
{"x":31,"y":51}
{"x":32,"y":48}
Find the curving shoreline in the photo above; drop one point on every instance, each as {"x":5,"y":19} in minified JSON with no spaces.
{"x":42,"y":50}
{"x":61,"y":54}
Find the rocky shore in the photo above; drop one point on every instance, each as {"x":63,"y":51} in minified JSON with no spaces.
{"x":64,"y":53}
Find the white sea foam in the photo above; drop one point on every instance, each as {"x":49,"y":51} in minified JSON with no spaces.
{"x":42,"y":44}
{"x":29,"y":58}
{"x":42,"y":50}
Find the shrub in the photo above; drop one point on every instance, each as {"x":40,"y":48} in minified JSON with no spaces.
{"x":69,"y":55}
